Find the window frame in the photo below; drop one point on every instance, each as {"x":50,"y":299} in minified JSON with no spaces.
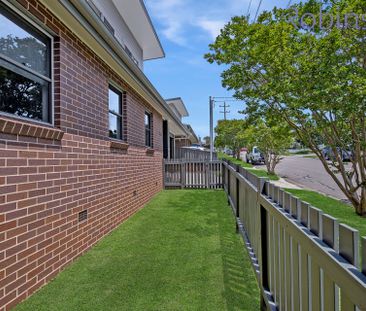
{"x":120,"y":93}
{"x":148,"y":129}
{"x":24,"y":21}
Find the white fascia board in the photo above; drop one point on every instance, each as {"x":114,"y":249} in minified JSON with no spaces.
{"x":137,"y":18}
{"x":179,"y":105}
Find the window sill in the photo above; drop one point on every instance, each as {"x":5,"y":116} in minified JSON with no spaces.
{"x":120,"y":145}
{"x":150,"y":151}
{"x":23,"y":128}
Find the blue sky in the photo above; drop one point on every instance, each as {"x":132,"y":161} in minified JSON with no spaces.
{"x":186,"y":28}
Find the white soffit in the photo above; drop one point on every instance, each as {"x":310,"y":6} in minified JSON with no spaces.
{"x":179,"y":105}
{"x":137,"y":18}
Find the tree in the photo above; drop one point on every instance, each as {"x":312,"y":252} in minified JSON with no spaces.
{"x":314,"y":79}
{"x":207,"y":141}
{"x":272,"y":139}
{"x":230,"y":133}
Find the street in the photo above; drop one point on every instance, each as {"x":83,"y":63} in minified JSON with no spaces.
{"x":308,"y":173}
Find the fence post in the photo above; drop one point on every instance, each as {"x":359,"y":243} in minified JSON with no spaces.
{"x":237,"y":196}
{"x":228,"y":183}
{"x":183,"y":174}
{"x":207,"y":170}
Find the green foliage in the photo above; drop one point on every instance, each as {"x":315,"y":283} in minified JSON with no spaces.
{"x":231,"y":134}
{"x":272,"y":139}
{"x":207,"y":140}
{"x":315,"y":80}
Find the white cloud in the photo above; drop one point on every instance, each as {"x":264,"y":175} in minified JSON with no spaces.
{"x":178,"y":17}
{"x":166,"y":12}
{"x":213,"y":27}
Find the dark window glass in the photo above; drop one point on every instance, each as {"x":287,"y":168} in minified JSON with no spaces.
{"x":25,"y":62}
{"x":21,"y":96}
{"x":115,"y":113}
{"x":148,"y":134}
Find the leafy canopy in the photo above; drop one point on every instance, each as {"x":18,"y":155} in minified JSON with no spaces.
{"x":314,"y":79}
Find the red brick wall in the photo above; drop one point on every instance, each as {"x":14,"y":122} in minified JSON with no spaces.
{"x":81,"y":89}
{"x":45,"y":183}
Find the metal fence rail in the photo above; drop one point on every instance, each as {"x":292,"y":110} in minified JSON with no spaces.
{"x":193,"y":174}
{"x":304,"y":259}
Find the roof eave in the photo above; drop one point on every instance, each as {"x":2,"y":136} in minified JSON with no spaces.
{"x":135,"y":16}
{"x":183,"y":111}
{"x":115,"y":49}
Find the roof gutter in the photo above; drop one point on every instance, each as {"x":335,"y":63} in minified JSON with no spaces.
{"x":79,"y":9}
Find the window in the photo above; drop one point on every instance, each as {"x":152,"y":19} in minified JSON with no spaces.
{"x":148,"y":132}
{"x":25,"y":68}
{"x":115,"y":113}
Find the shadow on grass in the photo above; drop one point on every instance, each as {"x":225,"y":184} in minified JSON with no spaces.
{"x":241,"y":290}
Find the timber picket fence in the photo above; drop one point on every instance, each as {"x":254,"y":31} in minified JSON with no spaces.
{"x":303,"y":258}
{"x":193,"y":174}
{"x":189,"y":154}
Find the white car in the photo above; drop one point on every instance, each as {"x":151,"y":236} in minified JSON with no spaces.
{"x":196,"y":147}
{"x":255,"y":157}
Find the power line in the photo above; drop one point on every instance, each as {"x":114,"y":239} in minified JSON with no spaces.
{"x":256,"y":14}
{"x":212,"y":101}
{"x":249,"y":7}
{"x":225,"y":112}
{"x":227,"y":100}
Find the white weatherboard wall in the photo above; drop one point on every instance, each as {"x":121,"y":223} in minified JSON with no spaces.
{"x":122,"y":32}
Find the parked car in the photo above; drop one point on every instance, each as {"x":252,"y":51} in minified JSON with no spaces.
{"x":255,"y":156}
{"x":328,"y":154}
{"x":196,"y":147}
{"x":228,"y":152}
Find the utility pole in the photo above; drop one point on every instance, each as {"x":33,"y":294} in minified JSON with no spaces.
{"x":225,"y":112}
{"x":211,"y":103}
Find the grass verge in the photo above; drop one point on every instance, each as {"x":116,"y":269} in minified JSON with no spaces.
{"x":248,"y":166}
{"x":342,"y":211}
{"x":178,"y":253}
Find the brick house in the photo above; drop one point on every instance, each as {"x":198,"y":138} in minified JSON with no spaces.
{"x":82,"y":131}
{"x":178,"y":140}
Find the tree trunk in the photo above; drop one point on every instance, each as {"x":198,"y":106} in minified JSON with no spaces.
{"x":271,"y":162}
{"x":361,"y":207}
{"x":267,"y":161}
{"x":238,"y":154}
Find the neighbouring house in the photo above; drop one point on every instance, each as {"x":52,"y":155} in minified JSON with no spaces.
{"x":82,"y":131}
{"x":179,"y":140}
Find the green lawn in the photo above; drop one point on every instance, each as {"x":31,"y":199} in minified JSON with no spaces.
{"x":333,"y":207}
{"x":178,"y":253}
{"x":248,"y":166}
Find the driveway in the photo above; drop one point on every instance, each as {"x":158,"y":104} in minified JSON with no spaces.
{"x":308,"y":173}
